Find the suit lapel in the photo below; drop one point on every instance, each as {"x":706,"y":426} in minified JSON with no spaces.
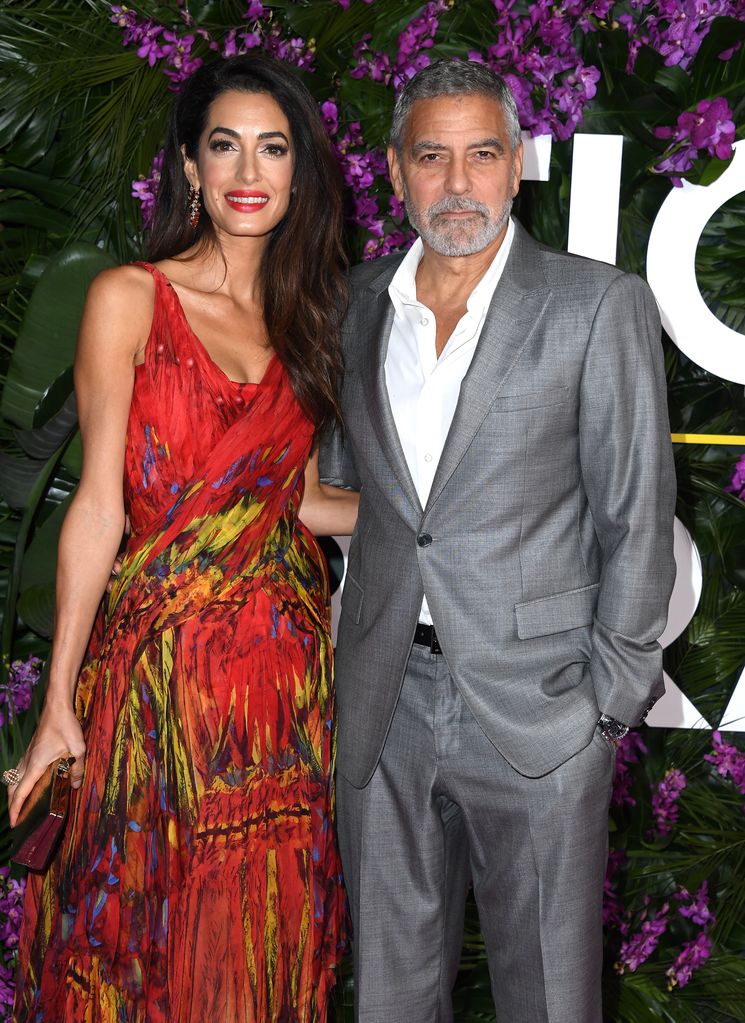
{"x":516,"y":307}
{"x":377,"y":325}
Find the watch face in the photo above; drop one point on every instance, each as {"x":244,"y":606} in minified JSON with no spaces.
{"x":612,"y":729}
{"x":616,"y":730}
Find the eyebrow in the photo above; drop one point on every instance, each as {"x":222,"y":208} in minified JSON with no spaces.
{"x":438,"y":147}
{"x":261,"y":136}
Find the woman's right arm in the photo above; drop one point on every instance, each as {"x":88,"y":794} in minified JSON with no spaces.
{"x":113,"y":333}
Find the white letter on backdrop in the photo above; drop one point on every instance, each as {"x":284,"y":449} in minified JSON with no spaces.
{"x":594,"y":196}
{"x":674,"y":709}
{"x":671,"y":272}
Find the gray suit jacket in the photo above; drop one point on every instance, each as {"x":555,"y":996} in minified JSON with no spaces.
{"x":546,"y":545}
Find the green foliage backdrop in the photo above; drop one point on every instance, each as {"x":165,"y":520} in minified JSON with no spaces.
{"x":83,"y":97}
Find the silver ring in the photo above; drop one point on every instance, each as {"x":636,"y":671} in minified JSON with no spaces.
{"x":11,"y":776}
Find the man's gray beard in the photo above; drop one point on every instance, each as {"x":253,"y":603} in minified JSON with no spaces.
{"x":457,"y":239}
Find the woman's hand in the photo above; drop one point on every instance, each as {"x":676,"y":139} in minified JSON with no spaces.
{"x":57,"y":734}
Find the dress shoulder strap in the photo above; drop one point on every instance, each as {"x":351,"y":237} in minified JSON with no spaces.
{"x":152,"y":269}
{"x":160,"y":339}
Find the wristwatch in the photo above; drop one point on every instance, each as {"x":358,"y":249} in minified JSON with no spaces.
{"x":613,"y":730}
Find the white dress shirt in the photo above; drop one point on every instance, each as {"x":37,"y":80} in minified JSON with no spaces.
{"x":423,"y":390}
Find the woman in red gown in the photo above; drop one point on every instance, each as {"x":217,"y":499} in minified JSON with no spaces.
{"x":198,"y":878}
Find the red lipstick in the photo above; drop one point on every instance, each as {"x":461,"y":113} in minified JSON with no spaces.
{"x":246,"y":202}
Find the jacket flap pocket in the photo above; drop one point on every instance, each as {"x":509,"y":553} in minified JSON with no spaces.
{"x":557,"y":613}
{"x":535,"y":399}
{"x":352,"y":595}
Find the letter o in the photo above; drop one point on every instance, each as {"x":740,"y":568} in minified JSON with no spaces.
{"x":671,"y":273}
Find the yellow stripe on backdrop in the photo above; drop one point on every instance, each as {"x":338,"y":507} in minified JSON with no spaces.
{"x":708,"y":438}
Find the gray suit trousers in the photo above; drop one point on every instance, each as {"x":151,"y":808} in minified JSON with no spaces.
{"x":444,"y":808}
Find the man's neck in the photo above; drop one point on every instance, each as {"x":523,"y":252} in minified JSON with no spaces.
{"x":449,"y":280}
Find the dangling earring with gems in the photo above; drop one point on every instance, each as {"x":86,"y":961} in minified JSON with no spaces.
{"x":193,"y":202}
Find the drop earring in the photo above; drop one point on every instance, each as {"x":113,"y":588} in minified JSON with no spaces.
{"x":194,"y":209}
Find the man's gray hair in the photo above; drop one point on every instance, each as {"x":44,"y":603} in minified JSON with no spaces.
{"x":454,"y":78}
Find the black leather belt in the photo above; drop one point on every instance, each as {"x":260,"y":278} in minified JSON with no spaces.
{"x":425,"y":635}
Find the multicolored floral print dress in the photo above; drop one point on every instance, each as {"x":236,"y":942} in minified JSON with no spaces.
{"x":198,"y":879}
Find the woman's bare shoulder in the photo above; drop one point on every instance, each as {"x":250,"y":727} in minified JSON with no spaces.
{"x":123,"y":284}
{"x":119,"y":307}
{"x":126,"y":291}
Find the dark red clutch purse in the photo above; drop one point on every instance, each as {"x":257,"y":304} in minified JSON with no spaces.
{"x":42,"y":819}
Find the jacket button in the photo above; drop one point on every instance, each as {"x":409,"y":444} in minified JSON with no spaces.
{"x":424,"y":539}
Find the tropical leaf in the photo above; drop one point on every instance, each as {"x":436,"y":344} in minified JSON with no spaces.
{"x":46,"y":341}
{"x":36,"y":590}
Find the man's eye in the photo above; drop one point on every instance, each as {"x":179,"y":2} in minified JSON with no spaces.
{"x":430,"y":157}
{"x":485,"y":154}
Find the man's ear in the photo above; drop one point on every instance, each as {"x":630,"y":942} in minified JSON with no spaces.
{"x":190,"y":169}
{"x":394,"y":169}
{"x":517,"y":170}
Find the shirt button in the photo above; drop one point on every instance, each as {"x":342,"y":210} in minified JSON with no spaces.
{"x":428,"y":458}
{"x":424,"y":539}
{"x":424,"y":321}
{"x":190,"y":362}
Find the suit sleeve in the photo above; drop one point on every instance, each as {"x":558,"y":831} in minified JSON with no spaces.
{"x":336,"y":462}
{"x":629,"y":478}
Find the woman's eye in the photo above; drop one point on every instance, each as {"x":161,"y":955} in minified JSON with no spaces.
{"x":275,"y":149}
{"x":220,"y":146}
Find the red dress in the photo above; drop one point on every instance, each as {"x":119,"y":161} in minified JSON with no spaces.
{"x":198,"y":879}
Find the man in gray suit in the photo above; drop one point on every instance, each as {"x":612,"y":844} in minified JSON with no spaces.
{"x":505,"y":421}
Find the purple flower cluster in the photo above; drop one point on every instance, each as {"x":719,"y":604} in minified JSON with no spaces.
{"x":639,"y":945}
{"x":11,"y":912}
{"x":675,"y":28}
{"x":709,"y":129}
{"x":665,"y":802}
{"x":294,"y":51}
{"x":19,"y":690}
{"x":696,"y":907}
{"x":642,"y":935}
{"x":146,"y":189}
{"x":628,"y":752}
{"x":539,"y":60}
{"x":691,"y":956}
{"x":155,"y":42}
{"x":360,"y":167}
{"x":695,"y":952}
{"x":728,"y":760}
{"x":643,"y":931}
{"x":413,"y":42}
{"x":737,"y":483}
{"x":240,"y":41}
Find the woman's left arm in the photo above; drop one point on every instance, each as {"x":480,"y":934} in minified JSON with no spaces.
{"x":327,"y":511}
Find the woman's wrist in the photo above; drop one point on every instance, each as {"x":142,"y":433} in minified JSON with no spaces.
{"x":59,"y":700}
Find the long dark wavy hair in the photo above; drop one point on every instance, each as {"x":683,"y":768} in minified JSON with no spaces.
{"x":303,"y":286}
